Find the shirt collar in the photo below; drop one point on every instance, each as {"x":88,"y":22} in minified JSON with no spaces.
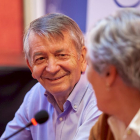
{"x":135,"y":123}
{"x":78,"y":92}
{"x":76,"y":95}
{"x":121,"y":131}
{"x":117,"y":127}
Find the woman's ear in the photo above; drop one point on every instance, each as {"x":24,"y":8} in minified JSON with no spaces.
{"x":110,"y":75}
{"x":83,"y":59}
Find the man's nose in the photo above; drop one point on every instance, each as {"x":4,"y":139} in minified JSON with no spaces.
{"x":52,"y":66}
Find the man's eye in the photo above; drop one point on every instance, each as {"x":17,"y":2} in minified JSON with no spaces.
{"x":39,"y":60}
{"x":62,"y":55}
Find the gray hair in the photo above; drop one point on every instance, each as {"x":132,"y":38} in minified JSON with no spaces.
{"x":53,"y":26}
{"x":115,"y":40}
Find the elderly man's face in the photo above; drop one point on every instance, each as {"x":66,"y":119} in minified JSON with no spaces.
{"x":56,"y":65}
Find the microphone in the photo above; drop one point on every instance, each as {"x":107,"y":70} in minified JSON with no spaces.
{"x":40,"y":117}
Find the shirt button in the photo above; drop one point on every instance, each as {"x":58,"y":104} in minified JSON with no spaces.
{"x":75,"y":107}
{"x":60,"y":119}
{"x":129,"y":132}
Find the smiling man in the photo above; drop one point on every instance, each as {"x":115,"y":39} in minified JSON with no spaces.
{"x":55,"y":53}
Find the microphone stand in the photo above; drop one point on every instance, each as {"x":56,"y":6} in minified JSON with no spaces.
{"x":40,"y":117}
{"x":29,"y":124}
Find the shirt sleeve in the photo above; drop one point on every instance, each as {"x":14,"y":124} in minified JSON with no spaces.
{"x":90,"y":118}
{"x":19,"y":121}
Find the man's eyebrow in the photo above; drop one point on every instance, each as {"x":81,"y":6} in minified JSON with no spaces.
{"x":36,"y":54}
{"x":60,"y":50}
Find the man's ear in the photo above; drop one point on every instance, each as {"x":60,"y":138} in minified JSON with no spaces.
{"x":110,"y":74}
{"x":29,"y":66}
{"x":83,"y":59}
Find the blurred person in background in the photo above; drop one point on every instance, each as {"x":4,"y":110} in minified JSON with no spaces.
{"x":114,"y":61}
{"x":55,"y":53}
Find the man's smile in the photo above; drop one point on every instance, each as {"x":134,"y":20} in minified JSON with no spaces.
{"x":55,"y":78}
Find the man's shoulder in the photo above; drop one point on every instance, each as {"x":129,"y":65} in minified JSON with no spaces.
{"x":35,"y":99}
{"x":37,"y":88}
{"x":36,"y":92}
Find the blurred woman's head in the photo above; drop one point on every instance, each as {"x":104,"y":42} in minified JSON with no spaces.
{"x":114,"y":47}
{"x":115,"y":40}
